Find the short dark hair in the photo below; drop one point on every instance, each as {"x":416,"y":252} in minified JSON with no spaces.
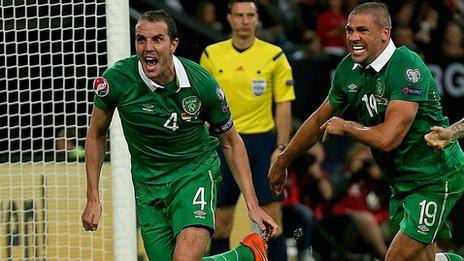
{"x":232,"y":2}
{"x":161,"y":16}
{"x":379,"y":10}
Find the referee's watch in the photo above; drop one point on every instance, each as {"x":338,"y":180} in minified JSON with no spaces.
{"x":282,"y":147}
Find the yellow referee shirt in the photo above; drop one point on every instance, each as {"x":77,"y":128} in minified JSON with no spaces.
{"x":252,"y":80}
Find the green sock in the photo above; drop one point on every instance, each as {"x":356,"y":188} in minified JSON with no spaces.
{"x":448,"y":256}
{"x":239,"y":253}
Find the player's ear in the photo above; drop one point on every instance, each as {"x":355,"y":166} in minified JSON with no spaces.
{"x":174,"y":44}
{"x":386,"y":34}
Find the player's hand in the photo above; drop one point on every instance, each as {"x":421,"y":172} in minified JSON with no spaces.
{"x":266,"y":224}
{"x":333,"y":126}
{"x":438,"y":138}
{"x":277,"y":176}
{"x":91,"y":215}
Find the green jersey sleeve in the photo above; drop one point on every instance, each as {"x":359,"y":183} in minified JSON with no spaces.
{"x":108,"y":87}
{"x":408,"y":78}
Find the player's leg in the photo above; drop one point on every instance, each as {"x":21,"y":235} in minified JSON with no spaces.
{"x":260,"y":148}
{"x":228,"y":194}
{"x":191,"y":243}
{"x":419,"y":216}
{"x":158,"y":239}
{"x":405,"y":248}
{"x":252,"y":248}
{"x":192,"y":209}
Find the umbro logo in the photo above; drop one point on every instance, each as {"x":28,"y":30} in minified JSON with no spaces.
{"x":147,"y":107}
{"x":199,"y":214}
{"x":423,"y":229}
{"x":352,"y":88}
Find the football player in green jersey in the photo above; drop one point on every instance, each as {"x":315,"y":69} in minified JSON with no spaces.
{"x":164,"y":102}
{"x":440,"y":137}
{"x":395,"y":101}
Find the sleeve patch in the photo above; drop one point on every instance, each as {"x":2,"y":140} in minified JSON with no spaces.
{"x":101,"y":86}
{"x":290,"y":82}
{"x":223,"y":127}
{"x":219,"y":93}
{"x":412,"y":91}
{"x":413,"y":75}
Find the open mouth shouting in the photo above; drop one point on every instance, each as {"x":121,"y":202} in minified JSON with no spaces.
{"x":150,"y":62}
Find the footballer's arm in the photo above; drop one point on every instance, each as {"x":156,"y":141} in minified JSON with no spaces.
{"x":237,"y":160}
{"x":385,"y":136}
{"x":95,"y":146}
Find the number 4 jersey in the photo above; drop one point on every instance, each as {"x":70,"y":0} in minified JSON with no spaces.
{"x":397,"y":74}
{"x":164,"y":125}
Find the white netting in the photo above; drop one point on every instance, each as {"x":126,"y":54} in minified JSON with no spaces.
{"x":50,"y":52}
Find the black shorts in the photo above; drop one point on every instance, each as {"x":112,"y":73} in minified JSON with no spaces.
{"x":260,"y":148}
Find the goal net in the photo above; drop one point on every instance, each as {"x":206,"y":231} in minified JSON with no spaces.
{"x":50,"y":52}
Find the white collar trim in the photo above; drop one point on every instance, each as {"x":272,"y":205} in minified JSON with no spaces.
{"x":182,"y":80}
{"x":381,"y":60}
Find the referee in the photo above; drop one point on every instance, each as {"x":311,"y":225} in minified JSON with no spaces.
{"x":256,"y":77}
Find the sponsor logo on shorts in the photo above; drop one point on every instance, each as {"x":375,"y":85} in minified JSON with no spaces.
{"x":199,"y":214}
{"x":422,"y":229}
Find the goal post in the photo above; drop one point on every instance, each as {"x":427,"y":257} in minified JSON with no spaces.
{"x":124,"y":219}
{"x":50,"y":53}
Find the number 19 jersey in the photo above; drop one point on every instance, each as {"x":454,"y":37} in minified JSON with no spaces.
{"x":403,"y":77}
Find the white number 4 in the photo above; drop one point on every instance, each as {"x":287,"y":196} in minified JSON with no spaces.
{"x":171,"y":123}
{"x":199,"y":198}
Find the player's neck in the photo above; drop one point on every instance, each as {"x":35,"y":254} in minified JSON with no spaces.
{"x":243,"y":43}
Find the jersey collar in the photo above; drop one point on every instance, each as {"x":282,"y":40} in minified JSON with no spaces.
{"x":381,"y":60}
{"x":181,"y":76}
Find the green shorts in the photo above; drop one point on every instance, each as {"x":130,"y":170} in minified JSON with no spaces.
{"x":420,"y":210}
{"x":164,"y":210}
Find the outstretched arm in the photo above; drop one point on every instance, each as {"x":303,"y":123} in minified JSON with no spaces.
{"x":95,"y":145}
{"x":237,"y":159}
{"x":440,"y":137}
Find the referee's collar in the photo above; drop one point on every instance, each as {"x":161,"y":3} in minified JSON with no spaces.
{"x":381,"y":60}
{"x":182,"y":80}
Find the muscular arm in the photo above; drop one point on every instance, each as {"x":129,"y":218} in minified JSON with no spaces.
{"x":457,"y":129}
{"x":95,"y":153}
{"x":237,"y":159}
{"x":385,"y":136}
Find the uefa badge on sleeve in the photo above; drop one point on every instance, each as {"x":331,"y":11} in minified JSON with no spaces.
{"x":101,"y":86}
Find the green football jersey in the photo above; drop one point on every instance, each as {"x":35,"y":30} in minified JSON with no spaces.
{"x":164,"y":125}
{"x":398,"y":74}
